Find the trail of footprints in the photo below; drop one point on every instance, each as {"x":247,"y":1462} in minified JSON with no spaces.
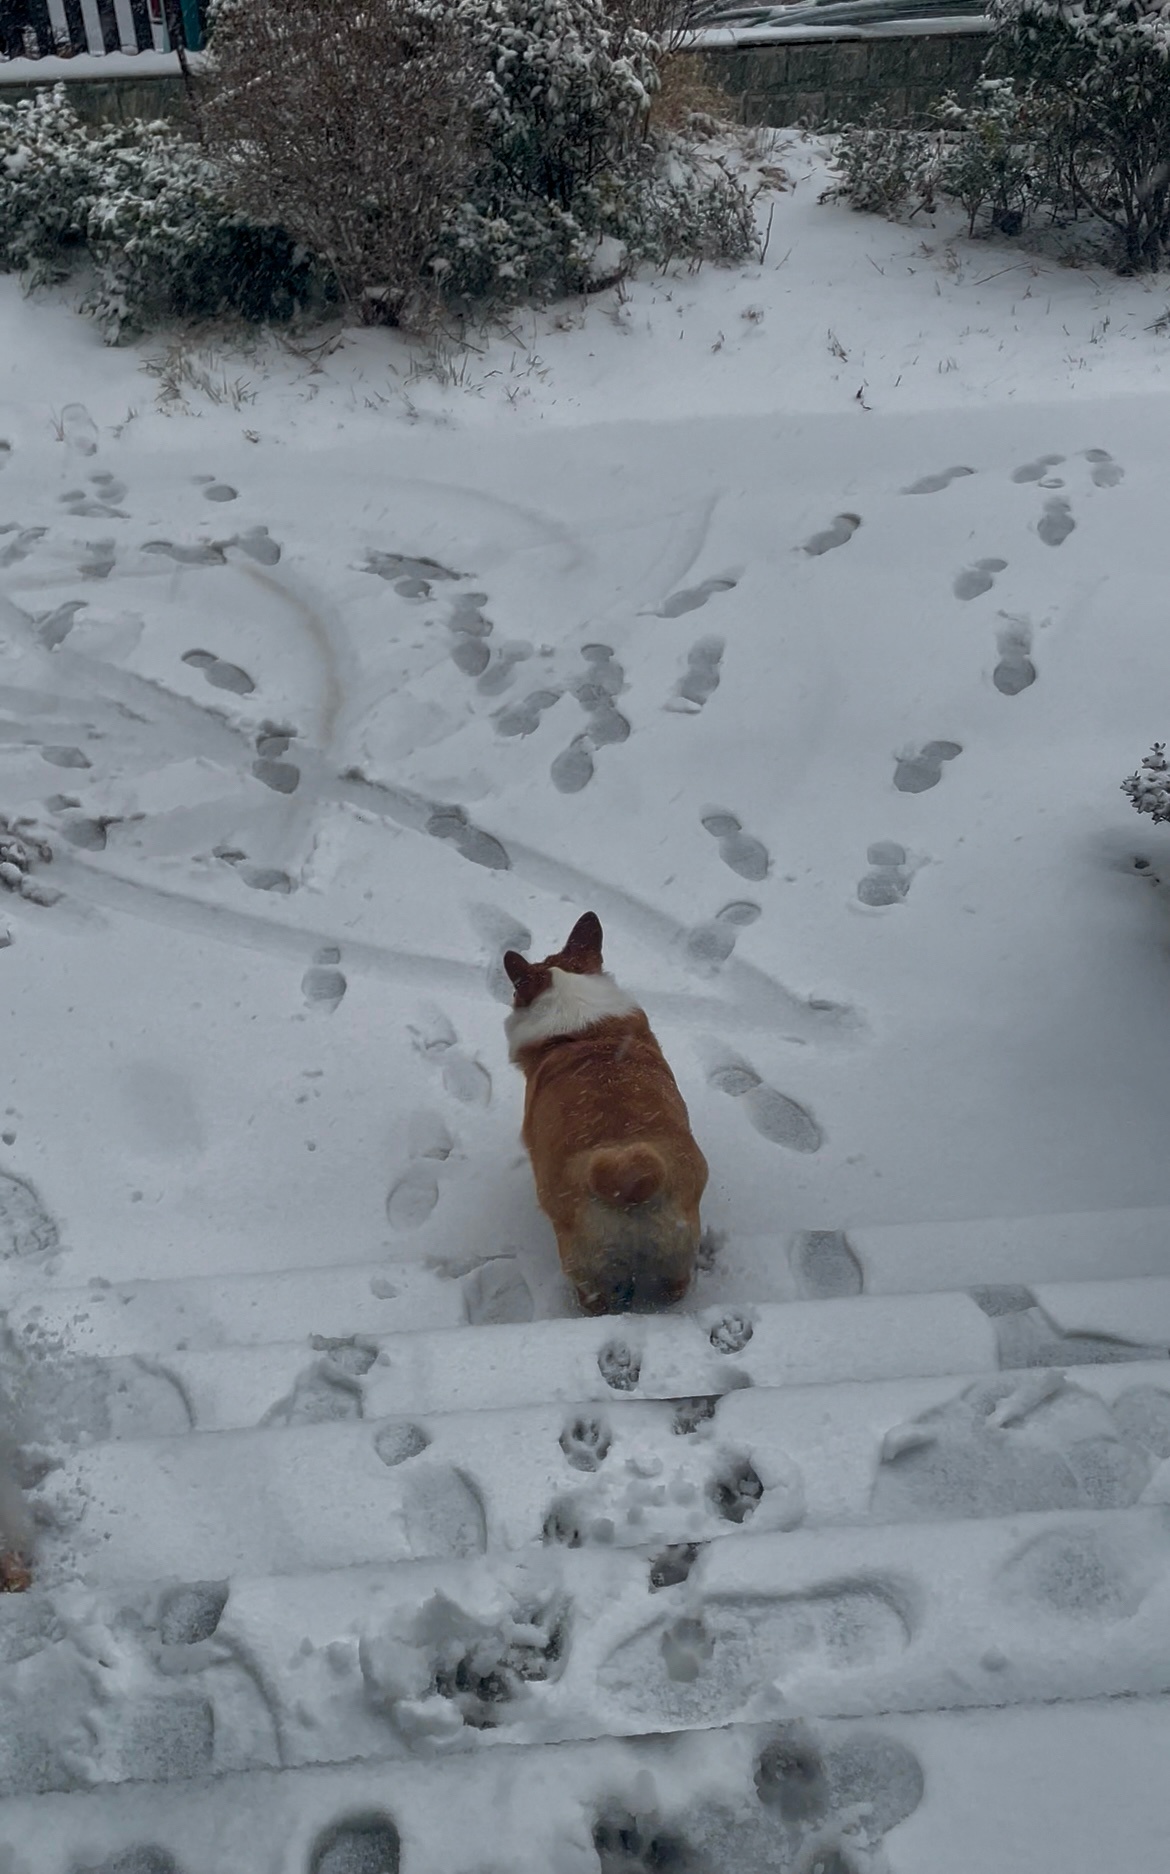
{"x":888,"y":880}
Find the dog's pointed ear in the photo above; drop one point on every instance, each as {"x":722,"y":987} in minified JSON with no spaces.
{"x":584,"y":945}
{"x":516,"y":966}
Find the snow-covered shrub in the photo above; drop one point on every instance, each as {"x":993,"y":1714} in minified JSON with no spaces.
{"x":996,"y":161}
{"x":1071,"y":121}
{"x":1149,"y":787}
{"x":490,"y":151}
{"x":354,"y":128}
{"x":1101,"y":69}
{"x":149,"y":210}
{"x":886,"y":168}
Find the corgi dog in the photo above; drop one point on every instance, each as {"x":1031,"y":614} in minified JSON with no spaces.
{"x":617,"y":1171}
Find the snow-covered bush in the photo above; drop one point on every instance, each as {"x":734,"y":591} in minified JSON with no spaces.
{"x":1149,"y":787}
{"x":1071,"y":122}
{"x":996,"y":160}
{"x":354,"y":128}
{"x":886,"y":168}
{"x":147,"y":208}
{"x":492,"y":150}
{"x":1101,"y":69}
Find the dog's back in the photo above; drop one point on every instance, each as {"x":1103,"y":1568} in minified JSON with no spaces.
{"x":617,"y":1170}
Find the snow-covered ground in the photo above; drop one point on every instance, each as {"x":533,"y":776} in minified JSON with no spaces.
{"x":802,"y":622}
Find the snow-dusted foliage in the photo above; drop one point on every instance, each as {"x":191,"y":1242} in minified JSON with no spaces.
{"x":1070,"y":123}
{"x":484,"y":151}
{"x":1149,"y":787}
{"x":148,"y":210}
{"x":1101,"y":68}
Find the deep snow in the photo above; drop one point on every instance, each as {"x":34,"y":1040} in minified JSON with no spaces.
{"x":802,"y":621}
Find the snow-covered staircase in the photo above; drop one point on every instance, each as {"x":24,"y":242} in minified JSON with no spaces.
{"x":345,"y":1571}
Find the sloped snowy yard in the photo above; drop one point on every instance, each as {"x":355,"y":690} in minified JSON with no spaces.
{"x":802,"y":622}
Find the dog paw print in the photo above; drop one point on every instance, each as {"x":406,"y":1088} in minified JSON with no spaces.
{"x":586,"y":1443}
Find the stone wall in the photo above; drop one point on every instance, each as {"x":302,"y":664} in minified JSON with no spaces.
{"x":835,"y":76}
{"x":112,"y":100}
{"x":840,"y":78}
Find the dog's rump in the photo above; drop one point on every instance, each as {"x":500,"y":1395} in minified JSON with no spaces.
{"x":625,"y":1175}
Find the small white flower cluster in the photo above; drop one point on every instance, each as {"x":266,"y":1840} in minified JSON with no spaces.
{"x":1149,"y":787}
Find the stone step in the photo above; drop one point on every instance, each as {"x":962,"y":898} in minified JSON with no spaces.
{"x":86,"y":1398}
{"x":164,"y":1681}
{"x":292,"y":1496}
{"x":1028,"y":1790}
{"x":149,"y":1315}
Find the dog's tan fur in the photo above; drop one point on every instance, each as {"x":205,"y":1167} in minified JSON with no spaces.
{"x":617,"y":1170}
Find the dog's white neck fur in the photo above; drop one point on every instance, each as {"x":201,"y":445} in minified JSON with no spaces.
{"x":569,"y":1005}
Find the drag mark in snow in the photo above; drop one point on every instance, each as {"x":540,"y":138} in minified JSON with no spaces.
{"x":780,"y":1120}
{"x":1015,"y":670}
{"x":977,"y":578}
{"x":741,"y":851}
{"x":913,"y":774}
{"x":934,"y":484}
{"x":842,"y":529}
